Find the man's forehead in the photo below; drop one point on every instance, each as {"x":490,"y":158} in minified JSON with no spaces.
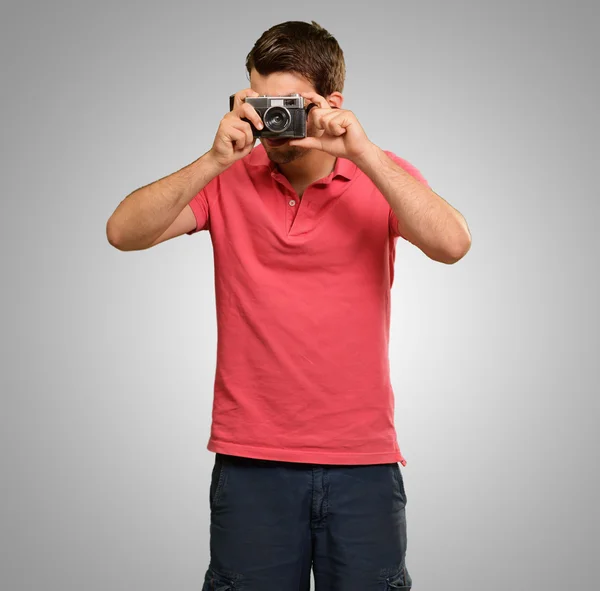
{"x":282,"y":82}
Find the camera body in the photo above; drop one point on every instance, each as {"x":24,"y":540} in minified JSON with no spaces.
{"x":282,"y":116}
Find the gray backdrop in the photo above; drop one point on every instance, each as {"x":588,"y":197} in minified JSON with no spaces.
{"x":108,"y":357}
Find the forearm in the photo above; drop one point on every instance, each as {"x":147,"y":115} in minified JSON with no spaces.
{"x":148,"y":211}
{"x":425,"y":219}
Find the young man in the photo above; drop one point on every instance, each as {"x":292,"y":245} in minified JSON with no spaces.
{"x":306,"y":471}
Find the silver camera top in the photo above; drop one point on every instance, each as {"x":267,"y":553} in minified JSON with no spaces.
{"x":292,"y":101}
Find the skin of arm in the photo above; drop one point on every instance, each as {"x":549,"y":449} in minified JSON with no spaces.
{"x":425,"y":219}
{"x":157,"y":212}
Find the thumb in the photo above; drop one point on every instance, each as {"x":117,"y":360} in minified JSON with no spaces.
{"x":307,"y":142}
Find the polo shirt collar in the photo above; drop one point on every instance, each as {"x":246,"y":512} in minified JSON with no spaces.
{"x":258,"y":157}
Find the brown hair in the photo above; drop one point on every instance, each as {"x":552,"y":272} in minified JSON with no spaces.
{"x":302,"y":48}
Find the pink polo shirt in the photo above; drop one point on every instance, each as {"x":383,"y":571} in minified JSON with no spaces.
{"x":303,"y":314}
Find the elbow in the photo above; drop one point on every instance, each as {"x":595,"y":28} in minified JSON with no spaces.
{"x":457,"y":249}
{"x":117,"y":238}
{"x":113,"y":236}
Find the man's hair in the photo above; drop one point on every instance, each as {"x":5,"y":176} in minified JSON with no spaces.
{"x":302,"y":48}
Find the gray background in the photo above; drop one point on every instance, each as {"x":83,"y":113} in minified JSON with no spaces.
{"x":108,"y":357}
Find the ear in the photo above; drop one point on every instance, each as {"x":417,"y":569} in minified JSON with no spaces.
{"x":335,"y":99}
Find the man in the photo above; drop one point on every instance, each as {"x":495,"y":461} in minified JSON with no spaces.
{"x":306,"y":473}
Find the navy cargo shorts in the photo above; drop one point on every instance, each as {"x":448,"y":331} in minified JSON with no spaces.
{"x":273,"y":521}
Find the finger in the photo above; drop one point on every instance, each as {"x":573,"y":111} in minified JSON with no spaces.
{"x":236,"y":137}
{"x":248,"y":131}
{"x":327,"y":116}
{"x":240,"y":142}
{"x":307,"y":142}
{"x":245,"y":128}
{"x":319,"y":120}
{"x":239,"y":97}
{"x":317,"y":99}
{"x":335,"y":125}
{"x":251,"y":113}
{"x":318,"y":115}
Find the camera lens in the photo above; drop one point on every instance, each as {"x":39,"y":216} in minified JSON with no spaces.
{"x":277,"y":119}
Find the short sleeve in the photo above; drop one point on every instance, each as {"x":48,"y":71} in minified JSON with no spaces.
{"x":414,"y":172}
{"x":200,"y":205}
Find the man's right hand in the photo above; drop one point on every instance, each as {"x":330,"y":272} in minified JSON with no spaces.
{"x":234,"y":138}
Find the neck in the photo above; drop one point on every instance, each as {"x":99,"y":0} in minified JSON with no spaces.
{"x":314,"y":165}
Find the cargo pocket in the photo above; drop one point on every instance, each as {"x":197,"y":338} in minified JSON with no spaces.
{"x":214,"y":581}
{"x":217,"y":481}
{"x":401,"y":580}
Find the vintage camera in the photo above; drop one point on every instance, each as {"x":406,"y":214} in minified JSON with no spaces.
{"x":282,"y":116}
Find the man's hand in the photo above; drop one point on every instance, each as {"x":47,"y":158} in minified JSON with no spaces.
{"x":335,"y":131}
{"x":234,"y":138}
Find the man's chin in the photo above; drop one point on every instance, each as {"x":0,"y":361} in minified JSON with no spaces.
{"x":284,"y":153}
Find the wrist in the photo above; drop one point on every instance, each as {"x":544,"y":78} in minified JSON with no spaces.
{"x":212,"y":162}
{"x":368,"y":156}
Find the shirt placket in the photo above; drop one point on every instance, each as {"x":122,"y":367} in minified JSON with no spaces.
{"x":291,"y":200}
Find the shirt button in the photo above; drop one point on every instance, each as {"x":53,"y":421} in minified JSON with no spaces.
{"x":292,"y":202}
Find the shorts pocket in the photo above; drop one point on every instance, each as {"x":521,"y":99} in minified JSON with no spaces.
{"x":214,"y":581}
{"x":400,"y":580}
{"x":217,"y":481}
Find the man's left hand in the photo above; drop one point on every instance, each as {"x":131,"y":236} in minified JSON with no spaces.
{"x":335,"y":131}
